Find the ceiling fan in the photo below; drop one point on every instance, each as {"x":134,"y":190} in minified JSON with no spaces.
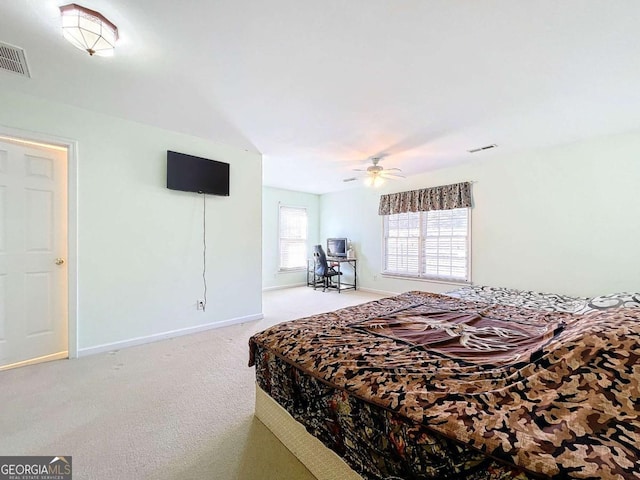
{"x":377,"y":174}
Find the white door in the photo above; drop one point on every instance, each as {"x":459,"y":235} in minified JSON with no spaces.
{"x":33,"y":252}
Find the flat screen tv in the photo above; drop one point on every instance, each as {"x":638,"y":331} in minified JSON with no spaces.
{"x":336,"y":247}
{"x":196,"y":174}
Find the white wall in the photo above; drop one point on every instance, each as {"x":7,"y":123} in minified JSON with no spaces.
{"x":139,"y":244}
{"x":562,"y":219}
{"x":271,"y":199}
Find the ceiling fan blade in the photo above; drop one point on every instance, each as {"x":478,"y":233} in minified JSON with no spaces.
{"x":392,"y":175}
{"x":349,"y":179}
{"x":392,"y":169}
{"x":359,"y":170}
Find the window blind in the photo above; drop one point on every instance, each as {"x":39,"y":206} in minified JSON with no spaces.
{"x":431,"y":244}
{"x":292,"y":237}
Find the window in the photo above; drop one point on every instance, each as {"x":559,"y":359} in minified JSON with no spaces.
{"x":293,"y":237}
{"x":432,"y":244}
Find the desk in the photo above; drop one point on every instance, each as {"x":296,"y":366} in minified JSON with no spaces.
{"x":336,"y":262}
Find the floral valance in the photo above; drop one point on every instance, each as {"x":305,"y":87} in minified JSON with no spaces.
{"x":446,"y":197}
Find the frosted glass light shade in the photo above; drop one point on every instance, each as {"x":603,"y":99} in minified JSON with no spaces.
{"x":88,"y":30}
{"x":373,"y":180}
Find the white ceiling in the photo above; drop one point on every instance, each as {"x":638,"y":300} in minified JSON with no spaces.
{"x":320,"y":87}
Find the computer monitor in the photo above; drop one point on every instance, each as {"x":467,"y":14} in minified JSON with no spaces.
{"x":337,"y":247}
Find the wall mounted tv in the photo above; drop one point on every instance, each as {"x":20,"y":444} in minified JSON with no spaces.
{"x":196,"y":174}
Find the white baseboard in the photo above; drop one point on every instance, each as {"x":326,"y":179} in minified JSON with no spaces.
{"x":360,"y":289}
{"x":282,"y":287}
{"x":107,"y":347}
{"x":380,"y":292}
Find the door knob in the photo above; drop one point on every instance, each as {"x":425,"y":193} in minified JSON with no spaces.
{"x":59,"y":261}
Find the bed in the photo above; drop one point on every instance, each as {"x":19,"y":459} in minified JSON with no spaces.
{"x":479,"y":384}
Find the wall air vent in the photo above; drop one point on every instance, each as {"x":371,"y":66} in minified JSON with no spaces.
{"x":493,"y":145}
{"x":12,"y":59}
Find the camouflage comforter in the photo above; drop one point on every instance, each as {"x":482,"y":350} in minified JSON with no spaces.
{"x":551,"y":392}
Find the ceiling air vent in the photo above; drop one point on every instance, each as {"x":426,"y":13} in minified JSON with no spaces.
{"x":12,"y":59}
{"x":475,"y":150}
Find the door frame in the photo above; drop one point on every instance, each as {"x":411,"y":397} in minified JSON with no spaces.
{"x":8,"y":133}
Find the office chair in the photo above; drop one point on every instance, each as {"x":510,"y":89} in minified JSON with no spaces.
{"x":323,"y":270}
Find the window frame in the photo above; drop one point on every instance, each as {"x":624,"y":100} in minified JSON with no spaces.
{"x":422,"y":275}
{"x":304,"y":241}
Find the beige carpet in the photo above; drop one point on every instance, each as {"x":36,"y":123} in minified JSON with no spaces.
{"x":175,"y":409}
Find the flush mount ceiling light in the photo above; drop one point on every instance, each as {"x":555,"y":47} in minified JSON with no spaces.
{"x":88,"y":30}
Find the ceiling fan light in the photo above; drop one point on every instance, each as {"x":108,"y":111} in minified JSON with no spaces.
{"x":373,"y":181}
{"x":377,"y":175}
{"x":88,"y":30}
